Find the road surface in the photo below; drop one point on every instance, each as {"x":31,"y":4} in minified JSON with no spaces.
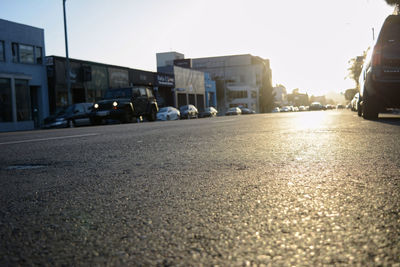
{"x":301,"y":189}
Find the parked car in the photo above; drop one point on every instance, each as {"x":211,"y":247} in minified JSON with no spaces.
{"x":168,"y":113}
{"x":380,"y":76}
{"x":125,"y":104}
{"x":316,"y":106}
{"x":234,"y":111}
{"x":188,"y":112}
{"x":355,"y":102}
{"x":340,"y":106}
{"x":208,"y":112}
{"x":276,"y":110}
{"x":285,"y":109}
{"x":70,"y":116}
{"x":246,"y":110}
{"x":302,"y":108}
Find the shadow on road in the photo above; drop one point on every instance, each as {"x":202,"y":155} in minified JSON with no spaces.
{"x":389,"y":120}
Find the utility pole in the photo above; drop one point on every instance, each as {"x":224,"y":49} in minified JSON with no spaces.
{"x":67,"y":58}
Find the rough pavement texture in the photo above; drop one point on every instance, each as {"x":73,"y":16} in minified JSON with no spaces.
{"x":304,"y":189}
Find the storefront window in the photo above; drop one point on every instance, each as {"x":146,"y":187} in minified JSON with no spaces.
{"x":62,"y":99}
{"x":26,"y":54}
{"x":5,"y":100}
{"x":23,"y":99}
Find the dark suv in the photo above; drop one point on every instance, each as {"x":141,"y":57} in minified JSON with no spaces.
{"x":125,"y":104}
{"x":380,"y":77}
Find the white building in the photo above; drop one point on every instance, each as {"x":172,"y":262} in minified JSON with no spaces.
{"x":238,"y":77}
{"x":280,"y":95}
{"x":23,"y":78}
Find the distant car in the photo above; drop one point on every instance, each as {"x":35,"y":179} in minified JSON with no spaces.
{"x":329,"y":106}
{"x":302,"y":108}
{"x":168,"y":113}
{"x":340,"y":106}
{"x":188,"y":112}
{"x":208,"y":112}
{"x":285,"y":109}
{"x":355,"y":102}
{"x":276,"y":110}
{"x":246,"y":111}
{"x":70,"y":116}
{"x":316,"y":106}
{"x":234,"y":111}
{"x":380,"y":75}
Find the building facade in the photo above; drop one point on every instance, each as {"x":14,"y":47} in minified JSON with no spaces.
{"x":239,"y":79}
{"x":189,"y":84}
{"x":211,"y":91}
{"x":23,"y":81}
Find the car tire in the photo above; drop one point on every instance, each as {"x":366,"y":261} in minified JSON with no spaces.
{"x":370,"y":109}
{"x":71,"y":124}
{"x":153,"y":114}
{"x":359,"y":109}
{"x":128,"y":116}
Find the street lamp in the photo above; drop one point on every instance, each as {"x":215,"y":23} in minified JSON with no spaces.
{"x":67,"y":58}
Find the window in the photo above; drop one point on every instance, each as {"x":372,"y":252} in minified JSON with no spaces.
{"x":15,"y":52}
{"x":149,"y":92}
{"x":5,"y":101}
{"x":237,"y":94}
{"x":2,"y":57}
{"x":26,"y":54}
{"x":23,"y":98}
{"x":38,"y":55}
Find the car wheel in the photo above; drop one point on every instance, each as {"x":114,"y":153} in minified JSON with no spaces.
{"x":359,"y":111}
{"x":71,"y":124}
{"x":128,"y":116}
{"x":153,"y":115}
{"x":369,"y":108}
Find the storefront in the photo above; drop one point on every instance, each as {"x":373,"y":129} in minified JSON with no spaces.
{"x":23,"y":83}
{"x":164,"y":89}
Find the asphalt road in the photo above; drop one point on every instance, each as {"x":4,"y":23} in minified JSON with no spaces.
{"x":301,"y":189}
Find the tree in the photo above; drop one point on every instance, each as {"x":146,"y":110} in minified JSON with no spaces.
{"x":350,"y":93}
{"x":267,"y":95}
{"x":356,"y":65}
{"x":393,"y":2}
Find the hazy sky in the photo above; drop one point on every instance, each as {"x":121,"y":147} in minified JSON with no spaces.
{"x":309,"y":42}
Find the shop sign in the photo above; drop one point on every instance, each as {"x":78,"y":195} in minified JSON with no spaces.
{"x":165,"y":80}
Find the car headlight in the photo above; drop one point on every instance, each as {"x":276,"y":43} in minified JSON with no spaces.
{"x":115,"y":103}
{"x":96,"y":105}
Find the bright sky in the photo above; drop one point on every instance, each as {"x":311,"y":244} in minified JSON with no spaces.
{"x":309,"y":42}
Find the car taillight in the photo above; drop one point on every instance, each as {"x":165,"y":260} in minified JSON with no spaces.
{"x":376,"y":57}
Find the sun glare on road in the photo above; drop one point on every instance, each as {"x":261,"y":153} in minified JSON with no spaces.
{"x":311,"y":120}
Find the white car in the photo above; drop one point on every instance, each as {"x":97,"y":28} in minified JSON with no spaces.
{"x":168,"y":113}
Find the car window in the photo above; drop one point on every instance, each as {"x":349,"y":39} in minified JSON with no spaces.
{"x":390,"y":31}
{"x":149,"y":92}
{"x":163,"y":110}
{"x":142,"y":91}
{"x":79,"y":108}
{"x":118,"y":93}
